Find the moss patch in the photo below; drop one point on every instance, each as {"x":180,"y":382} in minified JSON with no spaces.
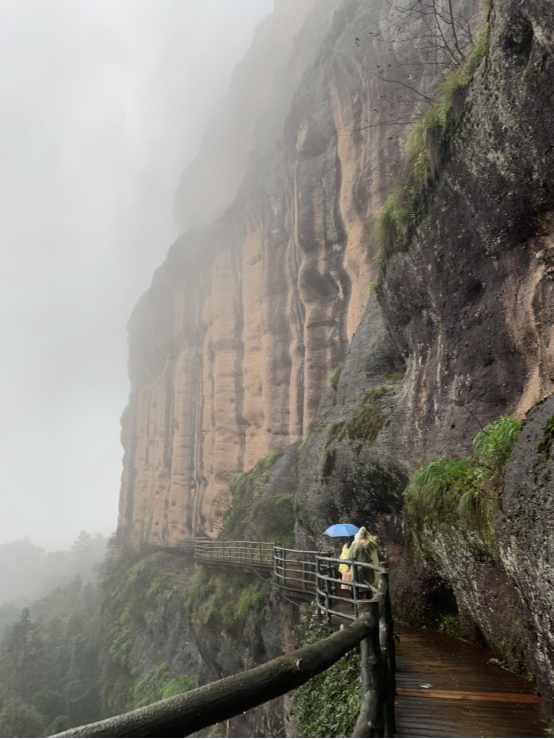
{"x":426,"y":153}
{"x":367,"y":420}
{"x":545,"y":446}
{"x":225,"y":600}
{"x":453,"y":490}
{"x":269,"y":518}
{"x":335,"y":375}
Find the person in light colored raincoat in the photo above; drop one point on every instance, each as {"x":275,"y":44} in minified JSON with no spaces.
{"x":364,"y":549}
{"x":345,"y":569}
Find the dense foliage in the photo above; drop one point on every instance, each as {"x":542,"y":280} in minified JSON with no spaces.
{"x":225,"y":599}
{"x":49,"y":667}
{"x":328,"y":705}
{"x":131,"y":589}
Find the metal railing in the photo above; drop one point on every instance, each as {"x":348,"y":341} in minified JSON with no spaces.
{"x":186,"y":544}
{"x":295,"y":569}
{"x":236,"y":553}
{"x":331,"y":588}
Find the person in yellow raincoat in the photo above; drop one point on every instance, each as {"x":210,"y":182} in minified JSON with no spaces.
{"x":345,"y":569}
{"x":364,"y":549}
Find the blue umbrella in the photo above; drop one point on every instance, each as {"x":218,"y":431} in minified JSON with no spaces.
{"x":342,"y":529}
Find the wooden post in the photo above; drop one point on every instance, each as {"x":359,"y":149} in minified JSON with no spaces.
{"x":303,"y":576}
{"x":260,"y":550}
{"x":370,"y":721}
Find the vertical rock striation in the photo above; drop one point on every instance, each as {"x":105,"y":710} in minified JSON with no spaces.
{"x":231,"y":348}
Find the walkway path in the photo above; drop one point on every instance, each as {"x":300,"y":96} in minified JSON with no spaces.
{"x":469,"y":697}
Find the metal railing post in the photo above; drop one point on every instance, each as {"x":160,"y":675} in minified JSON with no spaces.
{"x":355,"y":588}
{"x":317,"y":586}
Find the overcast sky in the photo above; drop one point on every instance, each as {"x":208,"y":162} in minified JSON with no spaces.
{"x":102,"y":105}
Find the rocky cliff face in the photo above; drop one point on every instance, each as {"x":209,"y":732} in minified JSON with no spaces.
{"x":466,"y":314}
{"x":231,"y":348}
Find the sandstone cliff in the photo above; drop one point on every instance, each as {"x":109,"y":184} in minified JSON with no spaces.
{"x":461,"y":334}
{"x":231,"y":348}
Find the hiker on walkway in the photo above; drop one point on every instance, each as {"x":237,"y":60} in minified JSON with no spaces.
{"x":344,"y":570}
{"x":364,"y":549}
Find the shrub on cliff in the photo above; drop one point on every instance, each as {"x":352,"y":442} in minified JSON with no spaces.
{"x":367,"y":420}
{"x":450,"y":490}
{"x":224,"y":600}
{"x":335,"y":375}
{"x":426,"y":151}
{"x":328,"y":705}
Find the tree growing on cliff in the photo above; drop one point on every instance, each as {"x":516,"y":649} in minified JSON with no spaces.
{"x":427,"y":40}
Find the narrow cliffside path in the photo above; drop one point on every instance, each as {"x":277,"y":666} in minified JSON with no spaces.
{"x":465,"y":695}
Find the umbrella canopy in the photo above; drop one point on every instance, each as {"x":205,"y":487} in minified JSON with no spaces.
{"x":342,"y":529}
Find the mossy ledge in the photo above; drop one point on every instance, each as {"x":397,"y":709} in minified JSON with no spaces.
{"x":426,"y":153}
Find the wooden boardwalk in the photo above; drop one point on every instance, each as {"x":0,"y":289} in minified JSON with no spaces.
{"x":469,"y":697}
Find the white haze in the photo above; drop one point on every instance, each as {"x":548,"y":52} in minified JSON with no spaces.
{"x":102,"y":104}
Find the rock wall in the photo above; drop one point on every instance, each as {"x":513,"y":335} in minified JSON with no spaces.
{"x":465,"y":319}
{"x":231,"y":348}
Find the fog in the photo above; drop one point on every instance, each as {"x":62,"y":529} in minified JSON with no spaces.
{"x":102,"y":104}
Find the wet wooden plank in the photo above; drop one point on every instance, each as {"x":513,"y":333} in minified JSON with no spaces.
{"x":468,"y":695}
{"x":465,"y":695}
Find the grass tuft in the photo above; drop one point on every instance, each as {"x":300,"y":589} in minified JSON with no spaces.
{"x":335,"y":375}
{"x":448,"y":491}
{"x":425,"y":154}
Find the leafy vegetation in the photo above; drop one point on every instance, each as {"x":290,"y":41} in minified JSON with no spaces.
{"x":131,"y":591}
{"x":425,"y":154}
{"x":328,"y":705}
{"x":49,"y":662}
{"x":450,"y":490}
{"x":225,"y":599}
{"x":450,"y":625}
{"x":367,"y":420}
{"x":159,"y":685}
{"x":335,"y":374}
{"x":333,"y":430}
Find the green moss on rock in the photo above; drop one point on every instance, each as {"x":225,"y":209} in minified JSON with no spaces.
{"x":545,"y":446}
{"x":367,"y":420}
{"x":225,"y":600}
